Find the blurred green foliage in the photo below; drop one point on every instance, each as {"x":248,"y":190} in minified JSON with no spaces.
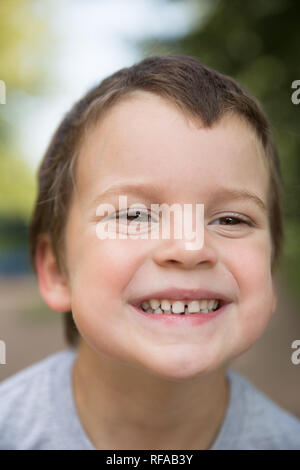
{"x":24,"y":61}
{"x":257,"y":42}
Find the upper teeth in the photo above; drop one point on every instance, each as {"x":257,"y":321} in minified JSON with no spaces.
{"x":178,"y":306}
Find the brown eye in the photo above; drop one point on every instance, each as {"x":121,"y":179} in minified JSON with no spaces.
{"x":229,"y":220}
{"x":134,"y":215}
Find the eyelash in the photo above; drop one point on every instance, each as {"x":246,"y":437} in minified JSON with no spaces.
{"x":233,"y":216}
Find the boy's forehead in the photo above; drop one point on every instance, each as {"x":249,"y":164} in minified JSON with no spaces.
{"x":146,"y":135}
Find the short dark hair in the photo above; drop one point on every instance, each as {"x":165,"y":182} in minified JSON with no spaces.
{"x":197,"y":90}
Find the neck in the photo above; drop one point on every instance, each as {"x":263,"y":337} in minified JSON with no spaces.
{"x":124,"y":407}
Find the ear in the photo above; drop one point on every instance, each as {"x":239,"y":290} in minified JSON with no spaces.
{"x":53,"y":284}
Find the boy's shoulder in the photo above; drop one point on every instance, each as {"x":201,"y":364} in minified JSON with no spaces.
{"x":29,"y":377}
{"x":33,"y":403}
{"x":254,"y":421}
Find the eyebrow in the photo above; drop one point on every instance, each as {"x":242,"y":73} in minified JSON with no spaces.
{"x":146,"y":191}
{"x":150,"y":191}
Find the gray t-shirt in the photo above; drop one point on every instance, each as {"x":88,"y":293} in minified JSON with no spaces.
{"x":38,"y":412}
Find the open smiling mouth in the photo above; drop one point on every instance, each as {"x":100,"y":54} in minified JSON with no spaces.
{"x":202,"y":309}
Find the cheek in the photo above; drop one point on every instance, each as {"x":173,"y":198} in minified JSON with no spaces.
{"x":252,"y":272}
{"x":255,"y":280}
{"x":97,"y":265}
{"x":101,"y":270}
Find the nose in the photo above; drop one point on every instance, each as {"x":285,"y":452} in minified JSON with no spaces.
{"x":174,"y":253}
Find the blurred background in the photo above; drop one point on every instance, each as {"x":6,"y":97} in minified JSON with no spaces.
{"x":53,"y":51}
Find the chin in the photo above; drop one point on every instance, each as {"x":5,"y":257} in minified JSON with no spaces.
{"x":178,"y":371}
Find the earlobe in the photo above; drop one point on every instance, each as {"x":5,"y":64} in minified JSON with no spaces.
{"x":53,"y":284}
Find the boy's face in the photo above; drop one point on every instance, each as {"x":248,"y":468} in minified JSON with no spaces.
{"x":145,"y":139}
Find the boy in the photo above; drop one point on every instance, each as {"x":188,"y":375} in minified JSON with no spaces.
{"x":154,"y":325}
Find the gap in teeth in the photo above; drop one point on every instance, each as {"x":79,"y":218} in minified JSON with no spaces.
{"x":180,"y":307}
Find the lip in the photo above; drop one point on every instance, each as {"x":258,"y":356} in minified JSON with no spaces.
{"x":174,"y":293}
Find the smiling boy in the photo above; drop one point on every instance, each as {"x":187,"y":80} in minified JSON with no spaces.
{"x":153,"y":325}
